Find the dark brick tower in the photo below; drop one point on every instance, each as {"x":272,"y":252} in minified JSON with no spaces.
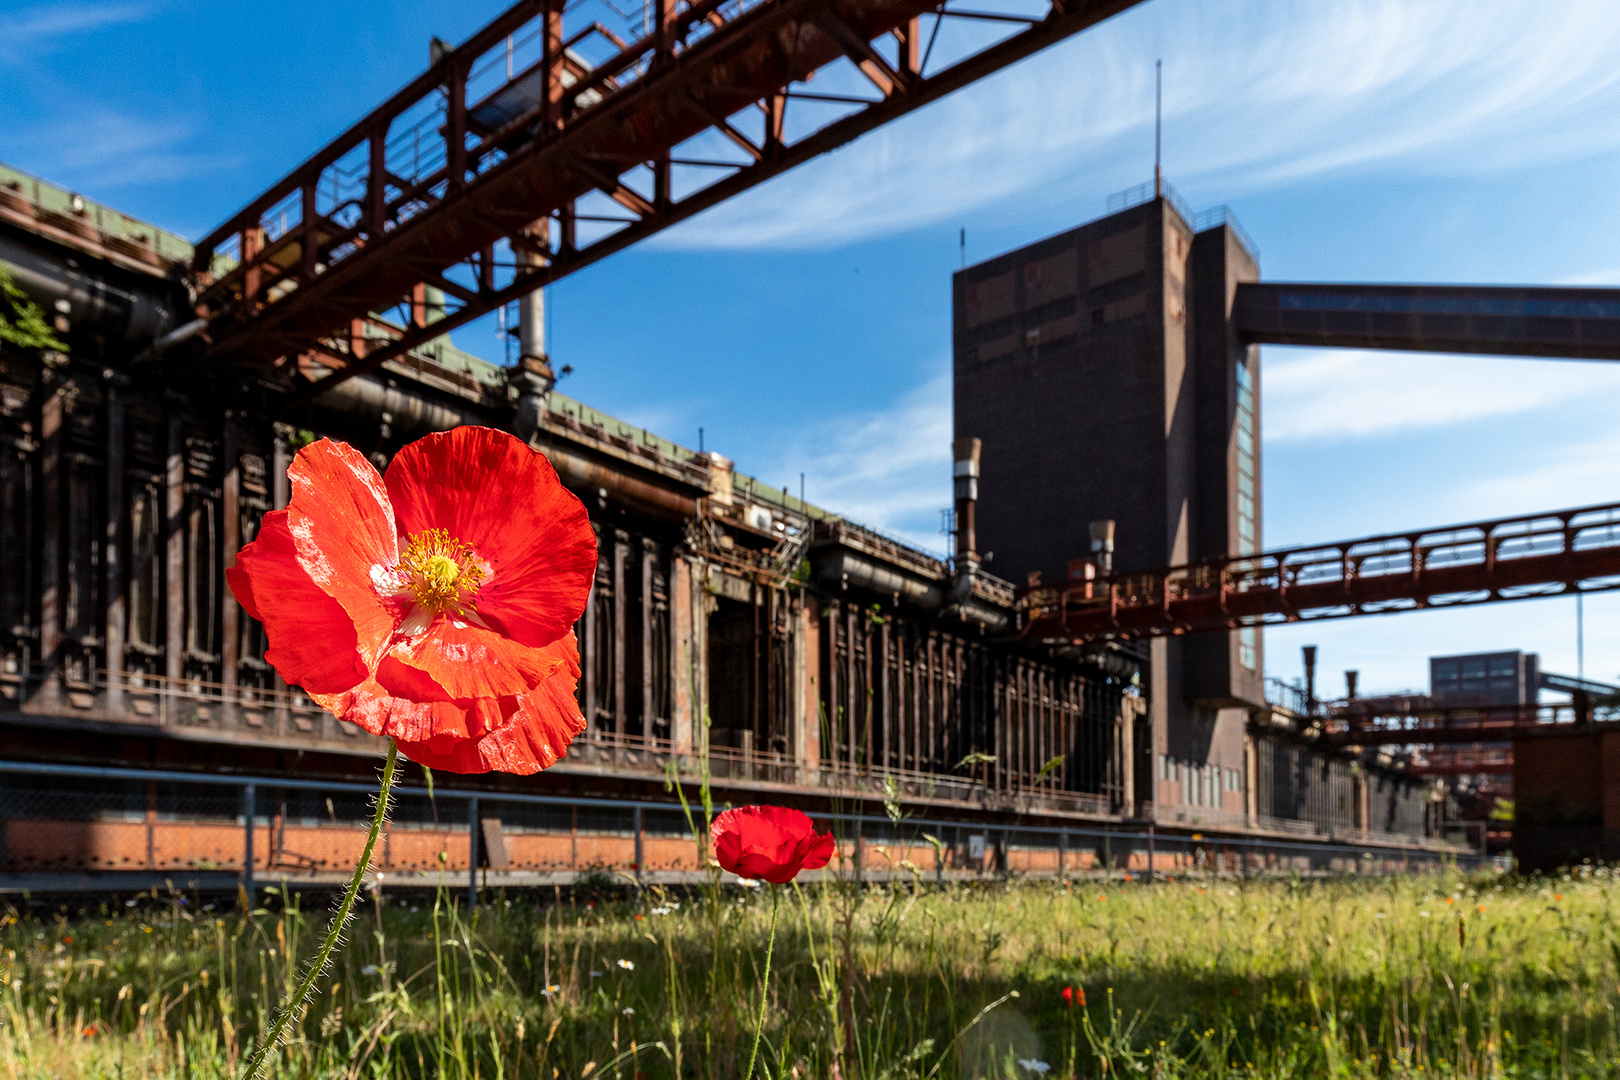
{"x":1100,"y":369}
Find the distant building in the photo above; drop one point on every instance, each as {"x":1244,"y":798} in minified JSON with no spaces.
{"x":1499,"y":678}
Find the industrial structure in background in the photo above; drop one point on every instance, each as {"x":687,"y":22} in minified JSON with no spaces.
{"x":1105,"y":711}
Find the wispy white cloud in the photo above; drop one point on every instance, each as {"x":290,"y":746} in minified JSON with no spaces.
{"x":33,"y":29}
{"x":886,"y":467}
{"x":1569,"y":475}
{"x":105,"y":149}
{"x":1257,"y":94}
{"x":1318,"y":395}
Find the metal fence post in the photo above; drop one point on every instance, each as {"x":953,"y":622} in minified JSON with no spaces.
{"x":1063,"y":849}
{"x":250,"y":804}
{"x":638,"y":844}
{"x":472,"y":854}
{"x":1150,"y":854}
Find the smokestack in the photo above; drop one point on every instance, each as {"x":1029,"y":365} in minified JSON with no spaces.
{"x":966,"y":474}
{"x":534,"y":378}
{"x":1310,"y":678}
{"x":1350,"y":678}
{"x":1102,"y":546}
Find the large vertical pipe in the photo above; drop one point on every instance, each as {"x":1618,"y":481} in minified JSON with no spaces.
{"x":112,"y":545}
{"x":1310,"y":678}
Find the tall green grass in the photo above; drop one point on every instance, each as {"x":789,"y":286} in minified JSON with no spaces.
{"x":1417,"y":977}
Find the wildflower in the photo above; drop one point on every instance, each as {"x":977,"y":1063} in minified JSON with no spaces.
{"x":1559,"y":897}
{"x":370,"y":969}
{"x":628,"y":1011}
{"x":433,"y":606}
{"x":660,"y":911}
{"x":67,"y":939}
{"x":1037,"y":1067}
{"x":90,"y":1030}
{"x":596,"y":974}
{"x":769,"y":842}
{"x":1074,"y":995}
{"x":552,"y":989}
{"x":628,"y":965}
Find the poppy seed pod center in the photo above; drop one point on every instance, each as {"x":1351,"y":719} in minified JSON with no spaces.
{"x":440,"y":572}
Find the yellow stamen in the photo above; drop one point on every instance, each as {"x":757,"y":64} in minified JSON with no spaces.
{"x":441,"y":572}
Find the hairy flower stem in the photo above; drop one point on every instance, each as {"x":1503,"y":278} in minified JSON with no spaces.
{"x":764,"y":986}
{"x":295,"y":1004}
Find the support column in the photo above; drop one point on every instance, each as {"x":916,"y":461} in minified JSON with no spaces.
{"x":648,"y":554}
{"x":230,"y":645}
{"x":640,"y":855}
{"x":683,"y":660}
{"x":621,"y":548}
{"x":250,"y":805}
{"x":112,"y":545}
{"x":52,"y":416}
{"x":174,"y":541}
{"x":807,"y":665}
{"x":472,"y":855}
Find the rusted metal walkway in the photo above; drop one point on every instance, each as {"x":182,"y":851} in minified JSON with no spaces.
{"x":561,"y":133}
{"x":1562,"y":551}
{"x":1569,"y":323}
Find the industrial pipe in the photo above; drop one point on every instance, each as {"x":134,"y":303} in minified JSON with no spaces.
{"x":111,"y":303}
{"x":408,"y":415}
{"x":590,"y":477}
{"x":838,"y":567}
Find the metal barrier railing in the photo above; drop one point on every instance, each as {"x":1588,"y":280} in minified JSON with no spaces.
{"x":85,"y":828}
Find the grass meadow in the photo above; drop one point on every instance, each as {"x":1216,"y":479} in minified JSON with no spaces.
{"x":1443,"y":975}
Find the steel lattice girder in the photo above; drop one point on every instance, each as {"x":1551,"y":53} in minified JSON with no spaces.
{"x":1510,"y":559}
{"x":313,"y":286}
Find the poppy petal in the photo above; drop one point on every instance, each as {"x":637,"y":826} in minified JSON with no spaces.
{"x":313,"y":643}
{"x":492,"y":492}
{"x":534,"y":736}
{"x":452,"y":661}
{"x":344,"y":531}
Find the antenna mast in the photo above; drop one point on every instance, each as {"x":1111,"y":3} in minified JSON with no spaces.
{"x":1158,"y":125}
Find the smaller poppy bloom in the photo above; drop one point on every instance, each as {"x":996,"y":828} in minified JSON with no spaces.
{"x":1074,"y":995}
{"x":770,"y":843}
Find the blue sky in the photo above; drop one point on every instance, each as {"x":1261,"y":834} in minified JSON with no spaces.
{"x":805,"y":325}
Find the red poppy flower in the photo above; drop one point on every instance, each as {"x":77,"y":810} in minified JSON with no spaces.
{"x":1074,"y":995}
{"x":434,"y":606}
{"x":771,"y":843}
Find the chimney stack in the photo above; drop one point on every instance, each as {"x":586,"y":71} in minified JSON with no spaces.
{"x":1310,"y":678}
{"x":965,"y":471}
{"x":1350,"y":678}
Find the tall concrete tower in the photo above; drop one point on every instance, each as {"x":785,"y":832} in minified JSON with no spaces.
{"x":1100,"y":369}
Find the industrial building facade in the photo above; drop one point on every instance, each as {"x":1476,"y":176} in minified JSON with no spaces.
{"x":1102,"y":373}
{"x":735,"y":634}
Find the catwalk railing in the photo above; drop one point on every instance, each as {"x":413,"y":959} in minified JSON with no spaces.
{"x":561,"y":133}
{"x":189,"y":708}
{"x":74,"y":828}
{"x":1576,"y":550}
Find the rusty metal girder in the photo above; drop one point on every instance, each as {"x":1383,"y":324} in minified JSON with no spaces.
{"x":373,"y":216}
{"x":1510,"y":559}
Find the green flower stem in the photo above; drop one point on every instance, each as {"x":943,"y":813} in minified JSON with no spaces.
{"x":764,"y":985}
{"x":295,"y":1004}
